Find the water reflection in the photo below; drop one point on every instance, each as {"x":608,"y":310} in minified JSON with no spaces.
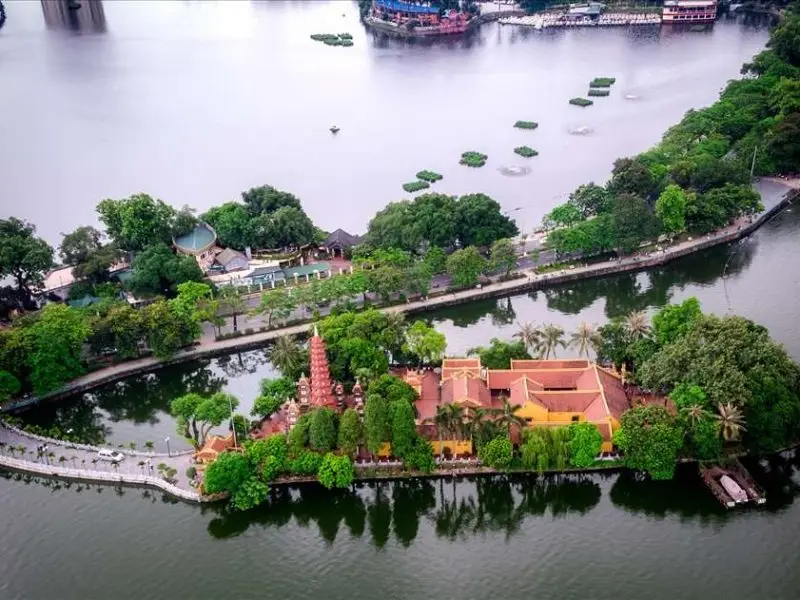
{"x":75,"y":15}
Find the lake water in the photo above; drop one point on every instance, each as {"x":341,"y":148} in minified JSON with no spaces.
{"x":599,"y":537}
{"x":194,"y":102}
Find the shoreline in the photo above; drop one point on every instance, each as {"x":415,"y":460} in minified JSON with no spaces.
{"x":527,"y":282}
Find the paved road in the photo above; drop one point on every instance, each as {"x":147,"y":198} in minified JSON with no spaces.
{"x":82,"y":459}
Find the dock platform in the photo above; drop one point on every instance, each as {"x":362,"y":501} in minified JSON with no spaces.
{"x":712,"y":475}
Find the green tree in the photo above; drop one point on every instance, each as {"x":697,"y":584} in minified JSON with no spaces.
{"x":158,"y":271}
{"x":497,"y":454}
{"x":503,"y":256}
{"x":404,"y":430}
{"x":479,"y":221}
{"x":704,"y":437}
{"x":137,"y":222}
{"x":498,"y":354}
{"x":552,"y":336}
{"x":591,"y":200}
{"x":671,"y":209}
{"x":196,"y":415}
{"x":276,"y":303}
{"x":350,"y":432}
{"x":305,"y":463}
{"x":195,"y":302}
{"x":585,"y":444}
{"x":650,"y":439}
{"x":633,"y":223}
{"x":785,"y":39}
{"x":586,"y":338}
{"x":122,"y":329}
{"x":298,"y":436}
{"x":274,"y":392}
{"x":23,"y":256}
{"x":9,"y":386}
{"x":232,"y":473}
{"x":631,"y":177}
{"x":54,"y":343}
{"x":231,"y":221}
{"x":77,"y":246}
{"x":420,"y":456}
{"x":465,"y":266}
{"x":232,"y":303}
{"x":167,"y":329}
{"x":394,"y":227}
{"x":377,"y":427}
{"x":687,"y":395}
{"x":563,"y":215}
{"x":386,"y":281}
{"x":336,"y":471}
{"x":289,"y":358}
{"x":291,"y":227}
{"x":322,"y":431}
{"x":425,"y":343}
{"x":436,"y":259}
{"x":674,"y":320}
{"x":266,"y":199}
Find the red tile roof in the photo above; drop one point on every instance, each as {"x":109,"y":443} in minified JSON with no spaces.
{"x":465,"y":388}
{"x":616,"y":398}
{"x":520,"y":365}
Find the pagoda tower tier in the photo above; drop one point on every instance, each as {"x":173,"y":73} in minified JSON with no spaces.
{"x":321,"y":387}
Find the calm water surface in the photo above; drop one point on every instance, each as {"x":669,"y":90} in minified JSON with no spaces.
{"x":594,"y":537}
{"x":195,"y":101}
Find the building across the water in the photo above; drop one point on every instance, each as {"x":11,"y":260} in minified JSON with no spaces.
{"x":410,"y":18}
{"x":689,"y":11}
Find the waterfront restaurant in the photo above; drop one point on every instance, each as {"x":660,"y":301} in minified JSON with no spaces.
{"x":689,"y":11}
{"x":401,"y":12}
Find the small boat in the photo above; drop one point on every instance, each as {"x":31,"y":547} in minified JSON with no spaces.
{"x":334,"y":129}
{"x":734,"y":489}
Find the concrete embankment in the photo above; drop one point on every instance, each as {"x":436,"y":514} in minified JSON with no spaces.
{"x":34,"y":468}
{"x":528,"y":282}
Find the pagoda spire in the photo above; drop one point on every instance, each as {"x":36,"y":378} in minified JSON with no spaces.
{"x":321,"y":388}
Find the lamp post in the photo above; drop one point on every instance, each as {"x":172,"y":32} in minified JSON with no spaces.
{"x":233,"y":425}
{"x":166,"y":439}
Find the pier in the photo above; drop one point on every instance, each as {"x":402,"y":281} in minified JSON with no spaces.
{"x":546,"y":21}
{"x":732,"y":484}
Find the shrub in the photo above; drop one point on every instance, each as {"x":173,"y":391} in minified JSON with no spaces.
{"x":429,"y":176}
{"x":525,"y":151}
{"x":526,"y":124}
{"x":415,"y":186}
{"x":191,"y":473}
{"x":498,"y":453}
{"x":335,"y":471}
{"x":598,"y":92}
{"x":603,"y":82}
{"x":583,"y":102}
{"x":473,"y":159}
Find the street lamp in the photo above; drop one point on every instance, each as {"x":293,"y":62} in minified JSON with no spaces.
{"x":166,"y":439}
{"x":233,"y":425}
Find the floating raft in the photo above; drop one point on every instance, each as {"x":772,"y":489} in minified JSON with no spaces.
{"x":732,"y":485}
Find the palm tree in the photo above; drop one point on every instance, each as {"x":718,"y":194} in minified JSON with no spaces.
{"x":552,"y":338}
{"x":584,"y":339}
{"x":694,"y":414}
{"x":637,"y":324}
{"x":149,"y":445}
{"x":286,"y":355}
{"x":731,"y":421}
{"x":507,"y":417}
{"x":455,"y":420}
{"x":442,"y":422}
{"x":530,"y":335}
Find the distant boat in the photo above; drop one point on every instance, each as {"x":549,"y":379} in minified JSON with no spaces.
{"x":734,"y":489}
{"x":334,"y":129}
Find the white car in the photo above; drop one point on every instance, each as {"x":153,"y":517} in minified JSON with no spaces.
{"x":110,"y":455}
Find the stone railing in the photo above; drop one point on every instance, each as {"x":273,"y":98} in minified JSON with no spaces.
{"x":100,"y":476}
{"x":88,"y":447}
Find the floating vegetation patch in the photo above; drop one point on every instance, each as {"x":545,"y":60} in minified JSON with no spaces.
{"x":602,"y":82}
{"x":598,"y":92}
{"x":514,"y":170}
{"x":526,"y":124}
{"x":415,"y":186}
{"x":429,"y":176}
{"x":581,"y":102}
{"x":330,"y":39}
{"x":525,"y":151}
{"x":473,"y":159}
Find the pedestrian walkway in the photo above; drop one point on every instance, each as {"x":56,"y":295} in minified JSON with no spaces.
{"x":136,"y":467}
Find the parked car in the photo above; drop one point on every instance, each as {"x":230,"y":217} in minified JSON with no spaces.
{"x":110,"y":455}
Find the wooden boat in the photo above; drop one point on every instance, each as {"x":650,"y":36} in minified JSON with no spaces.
{"x":734,"y":489}
{"x":334,"y":129}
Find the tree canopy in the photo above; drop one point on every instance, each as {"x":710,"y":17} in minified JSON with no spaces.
{"x":23,"y":256}
{"x":158,"y":271}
